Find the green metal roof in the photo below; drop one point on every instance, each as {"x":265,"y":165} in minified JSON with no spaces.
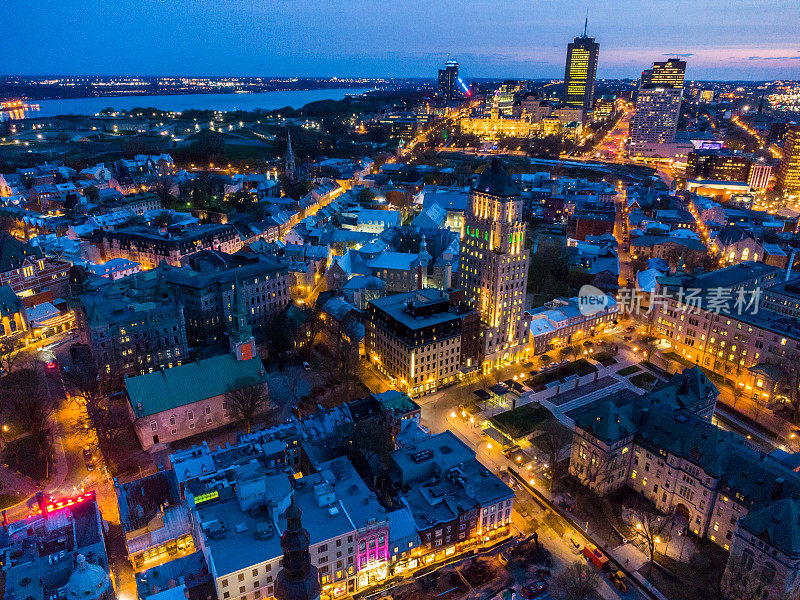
{"x":168,"y":389}
{"x":778,"y":524}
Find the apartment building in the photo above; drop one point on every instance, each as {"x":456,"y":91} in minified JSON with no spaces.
{"x":416,"y":339}
{"x":206,"y":288}
{"x":561,"y":322}
{"x":238,"y":521}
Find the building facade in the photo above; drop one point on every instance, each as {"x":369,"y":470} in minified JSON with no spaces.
{"x":416,"y":339}
{"x":789,"y":170}
{"x":494,"y":263}
{"x":150,"y":246}
{"x":658,"y":106}
{"x":580,"y":73}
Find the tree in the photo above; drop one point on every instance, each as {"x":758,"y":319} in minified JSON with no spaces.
{"x":651,"y":528}
{"x":544,"y":360}
{"x":578,"y":581}
{"x":673,"y":257}
{"x":26,"y":401}
{"x":365,"y":196}
{"x":370,"y":446}
{"x":314,"y":324}
{"x":10,"y":350}
{"x":92,"y":193}
{"x":247,"y":398}
{"x":552,"y":440}
{"x":100,"y":418}
{"x":345,"y":368}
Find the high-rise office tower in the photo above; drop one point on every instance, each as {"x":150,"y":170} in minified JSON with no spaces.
{"x":448,"y":82}
{"x":669,"y":73}
{"x":658,"y":106}
{"x":494,"y":265}
{"x":581,"y":70}
{"x":789,"y":171}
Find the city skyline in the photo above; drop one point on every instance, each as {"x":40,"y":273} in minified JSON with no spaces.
{"x":523,"y":39}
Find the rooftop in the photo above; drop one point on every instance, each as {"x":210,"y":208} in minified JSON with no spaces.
{"x":158,"y":391}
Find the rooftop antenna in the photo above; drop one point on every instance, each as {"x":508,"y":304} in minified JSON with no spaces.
{"x":586,"y":22}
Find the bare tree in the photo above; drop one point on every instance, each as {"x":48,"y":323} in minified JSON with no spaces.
{"x":578,"y":581}
{"x":651,"y":528}
{"x":25,"y":401}
{"x":314,"y":325}
{"x":100,"y":419}
{"x":345,"y":368}
{"x":11,"y":352}
{"x":246,"y":399}
{"x":551,"y":439}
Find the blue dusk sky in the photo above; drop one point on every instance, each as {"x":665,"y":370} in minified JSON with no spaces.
{"x":721,"y":39}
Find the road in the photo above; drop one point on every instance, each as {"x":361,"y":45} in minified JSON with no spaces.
{"x":612,"y":146}
{"x":440,"y":411}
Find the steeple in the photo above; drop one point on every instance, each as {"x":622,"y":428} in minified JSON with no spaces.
{"x":289,"y":167}
{"x":241,"y":340}
{"x":298,"y":579}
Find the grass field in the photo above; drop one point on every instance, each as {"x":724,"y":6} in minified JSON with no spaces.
{"x":628,"y":371}
{"x":522,"y":421}
{"x":643,"y":380}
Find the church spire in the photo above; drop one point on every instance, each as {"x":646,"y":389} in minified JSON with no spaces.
{"x":298,"y":579}
{"x":289,"y":167}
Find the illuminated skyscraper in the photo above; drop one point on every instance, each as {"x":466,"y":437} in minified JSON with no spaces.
{"x":581,"y":70}
{"x":449,"y":87}
{"x":494,"y":264}
{"x":789,"y":172}
{"x":658,"y":106}
{"x":669,"y":74}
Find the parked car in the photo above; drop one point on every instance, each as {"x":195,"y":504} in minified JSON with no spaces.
{"x":535,"y":589}
{"x":306,"y":366}
{"x":88,"y":459}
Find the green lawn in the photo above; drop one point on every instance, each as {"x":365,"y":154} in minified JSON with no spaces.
{"x":522,"y":421}
{"x":628,"y":371}
{"x":643,"y":380}
{"x":605,"y":359}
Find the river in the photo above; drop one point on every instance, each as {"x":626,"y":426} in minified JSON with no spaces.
{"x":180,"y":102}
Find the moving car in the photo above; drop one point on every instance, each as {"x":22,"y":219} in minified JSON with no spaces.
{"x":88,"y":459}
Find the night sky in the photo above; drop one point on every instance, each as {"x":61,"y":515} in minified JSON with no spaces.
{"x":721,"y":39}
